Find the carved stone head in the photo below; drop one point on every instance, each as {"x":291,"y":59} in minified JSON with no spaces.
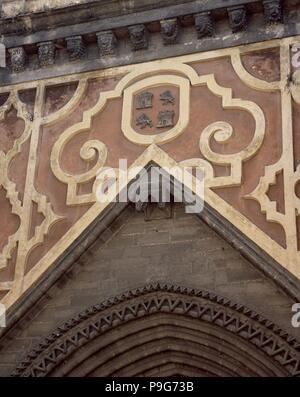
{"x":273,"y":11}
{"x":46,"y":53}
{"x":204,"y":24}
{"x":169,"y":27}
{"x":107,"y":42}
{"x":137,"y":33}
{"x":138,"y":37}
{"x":169,"y":30}
{"x":17,"y":58}
{"x":76,"y":48}
{"x":237,"y":18}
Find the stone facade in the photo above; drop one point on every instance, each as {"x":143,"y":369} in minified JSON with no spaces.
{"x":132,"y":253}
{"x":163,"y":85}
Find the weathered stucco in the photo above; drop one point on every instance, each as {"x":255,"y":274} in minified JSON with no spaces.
{"x":13,"y":8}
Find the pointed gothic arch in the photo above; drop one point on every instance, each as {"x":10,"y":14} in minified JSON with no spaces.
{"x":164,"y":329}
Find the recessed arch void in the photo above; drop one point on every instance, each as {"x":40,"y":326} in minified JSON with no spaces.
{"x":165,"y":330}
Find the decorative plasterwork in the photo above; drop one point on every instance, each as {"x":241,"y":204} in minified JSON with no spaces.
{"x":170,"y":86}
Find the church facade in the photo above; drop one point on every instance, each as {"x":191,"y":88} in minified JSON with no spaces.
{"x":204,"y":278}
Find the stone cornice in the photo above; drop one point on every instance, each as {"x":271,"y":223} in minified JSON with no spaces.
{"x":33,"y":19}
{"x":43,"y":48}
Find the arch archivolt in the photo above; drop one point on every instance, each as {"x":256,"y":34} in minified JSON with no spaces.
{"x":165,"y":328}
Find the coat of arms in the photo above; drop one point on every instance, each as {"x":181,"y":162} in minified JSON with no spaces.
{"x":155,"y":109}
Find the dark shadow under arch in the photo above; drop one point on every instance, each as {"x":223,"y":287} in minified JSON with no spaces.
{"x":165,"y":330}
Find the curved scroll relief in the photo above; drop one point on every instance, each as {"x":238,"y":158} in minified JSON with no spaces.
{"x":92,"y":147}
{"x":222,"y":131}
{"x":136,"y":81}
{"x":88,"y":152}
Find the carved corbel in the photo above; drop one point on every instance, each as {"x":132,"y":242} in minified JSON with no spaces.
{"x":138,"y":37}
{"x":204,"y":24}
{"x":273,"y":11}
{"x":237,"y":18}
{"x":46,"y":53}
{"x":169,"y":31}
{"x":76,"y":48}
{"x":107,"y":43}
{"x":17,"y":59}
